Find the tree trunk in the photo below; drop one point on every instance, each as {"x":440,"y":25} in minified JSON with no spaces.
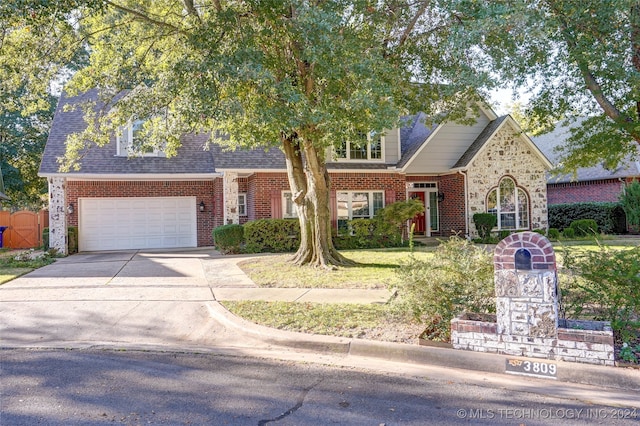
{"x":310,"y":185}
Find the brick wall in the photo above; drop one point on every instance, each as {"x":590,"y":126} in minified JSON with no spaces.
{"x":202,"y":190}
{"x":606,"y":190}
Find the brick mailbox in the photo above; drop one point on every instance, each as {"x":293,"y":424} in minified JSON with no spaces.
{"x":526,"y":286}
{"x":527,"y":321}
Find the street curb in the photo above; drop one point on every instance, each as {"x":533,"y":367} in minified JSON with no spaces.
{"x":578,"y":373}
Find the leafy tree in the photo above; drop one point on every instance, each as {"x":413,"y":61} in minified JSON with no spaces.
{"x":299,"y":75}
{"x":630,"y":201}
{"x":577,"y":58}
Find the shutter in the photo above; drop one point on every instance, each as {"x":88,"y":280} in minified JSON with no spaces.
{"x":333,"y":206}
{"x":276,"y":205}
{"x":389,"y":196}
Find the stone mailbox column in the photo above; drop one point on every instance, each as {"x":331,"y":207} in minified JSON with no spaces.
{"x":526,"y":287}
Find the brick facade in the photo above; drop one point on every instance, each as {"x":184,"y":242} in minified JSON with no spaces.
{"x":606,"y":190}
{"x":204,"y":191}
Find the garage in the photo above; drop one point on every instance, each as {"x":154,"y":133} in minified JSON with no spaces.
{"x":136,"y":223}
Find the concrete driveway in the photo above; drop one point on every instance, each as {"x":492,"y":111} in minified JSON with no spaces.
{"x":158,"y":298}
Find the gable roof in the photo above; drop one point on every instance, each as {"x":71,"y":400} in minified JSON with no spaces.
{"x":413,"y":136}
{"x":192,"y":159}
{"x":487,"y":133}
{"x":548,"y":142}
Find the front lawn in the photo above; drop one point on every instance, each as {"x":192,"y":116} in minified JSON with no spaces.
{"x":14,"y":263}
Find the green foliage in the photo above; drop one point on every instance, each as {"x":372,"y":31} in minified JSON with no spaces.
{"x":271,"y":235}
{"x":369,"y":233}
{"x":574,"y":58}
{"x":602,"y":284}
{"x":485,"y":222}
{"x":605,"y":214}
{"x":228,"y":238}
{"x":459,"y":278}
{"x":45,"y":239}
{"x":397,"y":214}
{"x":584,"y":227}
{"x":554,"y":234}
{"x":569,"y":233}
{"x":72,"y":239}
{"x":630,"y":202}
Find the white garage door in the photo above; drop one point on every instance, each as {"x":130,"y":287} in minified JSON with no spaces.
{"x":136,"y":223}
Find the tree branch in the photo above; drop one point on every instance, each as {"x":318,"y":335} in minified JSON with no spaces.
{"x":412,"y":24}
{"x":144,"y":17}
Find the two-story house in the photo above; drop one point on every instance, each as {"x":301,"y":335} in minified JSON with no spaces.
{"x":124,"y":200}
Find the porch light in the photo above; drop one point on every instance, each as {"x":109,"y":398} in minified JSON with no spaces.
{"x":201,"y":206}
{"x":70,"y":208}
{"x":440,"y":197}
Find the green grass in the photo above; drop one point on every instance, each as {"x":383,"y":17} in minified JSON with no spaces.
{"x":342,"y":320}
{"x":374,"y":269}
{"x":10,"y":268}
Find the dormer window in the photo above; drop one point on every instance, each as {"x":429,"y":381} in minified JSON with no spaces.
{"x":131,"y":142}
{"x":367,"y":148}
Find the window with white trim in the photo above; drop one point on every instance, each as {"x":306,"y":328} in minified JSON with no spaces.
{"x":289,"y":210}
{"x":357,"y":205}
{"x":131,"y":142}
{"x":242,"y":204}
{"x":510,"y":204}
{"x":367,"y":148}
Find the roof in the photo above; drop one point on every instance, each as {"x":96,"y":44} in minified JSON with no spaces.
{"x":413,"y":136}
{"x":548,"y":143}
{"x":191,"y":159}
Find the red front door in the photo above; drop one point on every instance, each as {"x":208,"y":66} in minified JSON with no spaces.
{"x":420,"y":219}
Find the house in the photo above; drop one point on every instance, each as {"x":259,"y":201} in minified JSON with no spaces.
{"x":589,"y":184}
{"x":150,"y":201}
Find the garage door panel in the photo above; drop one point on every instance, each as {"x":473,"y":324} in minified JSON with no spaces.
{"x":137,"y":223}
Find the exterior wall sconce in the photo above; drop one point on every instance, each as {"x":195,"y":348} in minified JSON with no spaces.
{"x":440,"y":197}
{"x":70,"y":208}
{"x":201,"y":206}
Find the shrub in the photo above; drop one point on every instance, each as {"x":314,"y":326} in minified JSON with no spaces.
{"x":45,"y":239}
{"x":502,"y":234}
{"x":72,"y":238}
{"x":397,"y":214}
{"x":608,"y":216}
{"x":630,"y":203}
{"x":485,"y":222}
{"x":554,"y":234}
{"x":602,"y":284}
{"x":584,"y":227}
{"x":569,"y":233}
{"x":272,"y":235}
{"x":228,"y":238}
{"x":369,"y":233}
{"x":459,"y":278}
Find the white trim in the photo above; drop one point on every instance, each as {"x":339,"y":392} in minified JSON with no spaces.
{"x":244,"y":204}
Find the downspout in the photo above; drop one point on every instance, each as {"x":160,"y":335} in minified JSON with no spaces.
{"x":466,"y":203}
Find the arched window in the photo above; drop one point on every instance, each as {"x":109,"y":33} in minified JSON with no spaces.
{"x":510,"y":204}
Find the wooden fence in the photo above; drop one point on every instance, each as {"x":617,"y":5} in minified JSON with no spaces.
{"x":24,"y":228}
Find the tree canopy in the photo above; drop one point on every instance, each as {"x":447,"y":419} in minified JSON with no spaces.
{"x":577,"y":59}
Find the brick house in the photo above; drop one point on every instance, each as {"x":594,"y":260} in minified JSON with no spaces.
{"x":123,"y":201}
{"x":590,"y":184}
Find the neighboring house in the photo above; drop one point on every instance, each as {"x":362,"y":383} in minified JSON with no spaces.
{"x":592,"y":184}
{"x":150,"y":201}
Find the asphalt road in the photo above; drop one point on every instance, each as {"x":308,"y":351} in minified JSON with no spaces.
{"x":97,"y":387}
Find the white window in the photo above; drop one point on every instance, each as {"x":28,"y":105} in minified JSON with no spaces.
{"x":510,"y":204}
{"x":289,"y":210}
{"x":357,"y":205}
{"x":367,"y":148}
{"x":131,"y":142}
{"x":242,"y":204}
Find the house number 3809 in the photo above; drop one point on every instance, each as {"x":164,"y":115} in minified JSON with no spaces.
{"x":539,"y":368}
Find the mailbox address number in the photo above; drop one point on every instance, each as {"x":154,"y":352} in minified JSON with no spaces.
{"x":531,"y":368}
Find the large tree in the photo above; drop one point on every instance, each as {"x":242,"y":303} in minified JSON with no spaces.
{"x":578,"y":58}
{"x":299,"y":75}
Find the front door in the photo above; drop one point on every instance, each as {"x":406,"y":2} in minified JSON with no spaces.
{"x":420,"y":220}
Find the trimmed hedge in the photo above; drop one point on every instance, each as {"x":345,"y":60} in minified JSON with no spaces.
{"x":228,"y":238}
{"x":584,"y":227}
{"x":368,"y":233}
{"x":609,"y":217}
{"x":485,"y":222}
{"x":271,"y":235}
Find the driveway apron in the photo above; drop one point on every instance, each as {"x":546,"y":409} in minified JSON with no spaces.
{"x":110,"y":298}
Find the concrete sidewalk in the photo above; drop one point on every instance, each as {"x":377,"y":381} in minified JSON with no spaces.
{"x":169,"y":300}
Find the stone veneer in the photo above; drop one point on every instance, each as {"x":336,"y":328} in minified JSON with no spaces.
{"x":506,"y":154}
{"x":527,"y":321}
